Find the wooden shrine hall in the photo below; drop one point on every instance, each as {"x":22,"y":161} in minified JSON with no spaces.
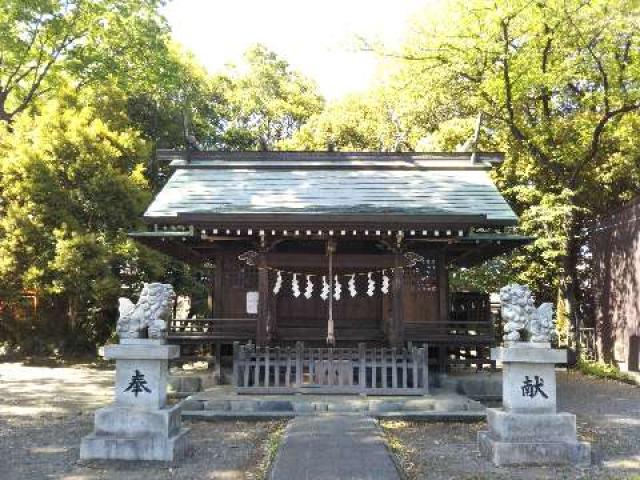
{"x":333,"y":251}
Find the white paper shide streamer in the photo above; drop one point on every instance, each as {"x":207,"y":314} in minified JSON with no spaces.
{"x":324,"y":294}
{"x":337,"y":288}
{"x":352,"y":285}
{"x":278,"y":285}
{"x":385,"y":283}
{"x":308,"y":291}
{"x":295,"y":286}
{"x":371,"y":285}
{"x":326,"y":286}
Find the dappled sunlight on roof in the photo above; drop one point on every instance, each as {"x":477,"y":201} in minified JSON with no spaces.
{"x":316,"y":182}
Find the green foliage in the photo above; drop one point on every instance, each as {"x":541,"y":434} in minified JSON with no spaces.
{"x":377,"y":120}
{"x":605,"y":371}
{"x":89,"y":88}
{"x":44,"y":41}
{"x":449,"y":136}
{"x":489,"y":277}
{"x":558,"y":83}
{"x":187,"y":101}
{"x":71,"y":188}
{"x":359,"y":122}
{"x":256,"y":104}
{"x":268,"y":101}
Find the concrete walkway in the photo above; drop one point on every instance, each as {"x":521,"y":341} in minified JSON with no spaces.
{"x":333,"y":447}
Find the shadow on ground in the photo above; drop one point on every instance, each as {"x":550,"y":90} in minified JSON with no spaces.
{"x":46,"y":410}
{"x":608,"y":415}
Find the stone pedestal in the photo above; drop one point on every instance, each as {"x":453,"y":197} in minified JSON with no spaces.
{"x":527,"y":430}
{"x":138,"y":425}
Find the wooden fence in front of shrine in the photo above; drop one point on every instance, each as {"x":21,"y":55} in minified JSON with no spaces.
{"x":373,"y":371}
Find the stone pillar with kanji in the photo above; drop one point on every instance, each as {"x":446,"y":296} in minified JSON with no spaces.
{"x":528,"y":430}
{"x":139,"y":425}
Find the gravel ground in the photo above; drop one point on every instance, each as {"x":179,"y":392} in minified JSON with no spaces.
{"x":45,"y":411}
{"x":608,"y":416}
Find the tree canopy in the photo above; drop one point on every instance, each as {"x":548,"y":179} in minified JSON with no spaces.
{"x":71,"y":187}
{"x":268,"y":101}
{"x":559,"y":85}
{"x":92,"y":40}
{"x":90,"y":88}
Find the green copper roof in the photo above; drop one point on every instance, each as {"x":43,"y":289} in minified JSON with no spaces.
{"x":317,"y":184}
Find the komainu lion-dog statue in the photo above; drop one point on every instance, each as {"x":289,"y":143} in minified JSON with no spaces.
{"x":149,"y":318}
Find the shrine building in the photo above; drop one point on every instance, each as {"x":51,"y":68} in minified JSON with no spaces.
{"x":334,"y":254}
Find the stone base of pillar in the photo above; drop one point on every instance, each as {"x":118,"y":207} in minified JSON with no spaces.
{"x":139,"y":425}
{"x":129,"y":433}
{"x":527,"y":430}
{"x":532,"y":439}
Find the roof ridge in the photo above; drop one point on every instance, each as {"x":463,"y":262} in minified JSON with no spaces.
{"x":330,"y":160}
{"x":339,"y":155}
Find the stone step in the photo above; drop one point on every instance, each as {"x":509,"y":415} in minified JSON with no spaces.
{"x":427,"y":416}
{"x":301,"y":406}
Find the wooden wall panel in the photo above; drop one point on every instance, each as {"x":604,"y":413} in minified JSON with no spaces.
{"x":236,"y":280}
{"x":421,"y":296}
{"x":616,"y":285}
{"x":420,"y":299}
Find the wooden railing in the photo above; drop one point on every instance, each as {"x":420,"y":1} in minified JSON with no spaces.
{"x":450,"y":332}
{"x":470,"y":323}
{"x":213,"y":328}
{"x":376,"y":371}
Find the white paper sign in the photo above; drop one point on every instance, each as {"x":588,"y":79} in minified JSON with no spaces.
{"x":252,"y":303}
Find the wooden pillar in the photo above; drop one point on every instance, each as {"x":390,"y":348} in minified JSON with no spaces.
{"x":266,"y":298}
{"x":443,"y":306}
{"x":217,"y":296}
{"x":236,"y":364}
{"x":262,"y":321}
{"x":271,"y":313}
{"x":211,"y":290}
{"x":331,"y":336}
{"x":362,"y":366}
{"x":396,"y":330}
{"x":443,"y":288}
{"x":210,"y":300}
{"x":217,"y":373}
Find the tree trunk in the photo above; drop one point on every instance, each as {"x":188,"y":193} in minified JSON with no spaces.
{"x":72,"y":315}
{"x":569,"y":280}
{"x":5,"y":117}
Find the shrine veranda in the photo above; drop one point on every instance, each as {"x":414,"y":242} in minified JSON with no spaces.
{"x":331,"y":269}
